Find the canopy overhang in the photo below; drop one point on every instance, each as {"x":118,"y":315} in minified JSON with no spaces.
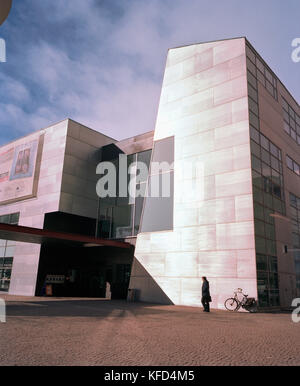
{"x":39,"y":236}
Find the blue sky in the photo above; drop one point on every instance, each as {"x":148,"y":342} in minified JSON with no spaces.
{"x":101,"y":62}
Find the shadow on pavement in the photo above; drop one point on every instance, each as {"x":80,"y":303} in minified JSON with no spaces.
{"x":79,"y":308}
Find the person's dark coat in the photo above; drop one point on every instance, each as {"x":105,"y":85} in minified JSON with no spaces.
{"x":205,"y":289}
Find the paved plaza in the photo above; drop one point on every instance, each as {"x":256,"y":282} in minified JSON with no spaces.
{"x":56,"y":331}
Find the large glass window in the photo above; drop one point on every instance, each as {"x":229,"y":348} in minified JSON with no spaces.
{"x":295,"y":215}
{"x":291,"y":124}
{"x":268,"y":189}
{"x":267,"y":280}
{"x":293,"y":165}
{"x":257,"y":69}
{"x":119,"y":217}
{"x":158,"y":209}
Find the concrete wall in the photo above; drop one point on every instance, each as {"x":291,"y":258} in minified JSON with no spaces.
{"x":78,"y":188}
{"x":32,"y":211}
{"x":204,"y":105}
{"x":136,"y":144}
{"x":66,"y":182}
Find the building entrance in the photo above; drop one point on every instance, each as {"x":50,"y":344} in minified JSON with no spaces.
{"x":72,"y":271}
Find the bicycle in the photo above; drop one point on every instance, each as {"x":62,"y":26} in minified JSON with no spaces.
{"x":234,"y":303}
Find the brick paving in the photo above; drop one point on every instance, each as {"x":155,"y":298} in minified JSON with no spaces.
{"x":51,"y":331}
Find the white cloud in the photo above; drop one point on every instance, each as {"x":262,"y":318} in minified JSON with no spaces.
{"x":101,"y":68}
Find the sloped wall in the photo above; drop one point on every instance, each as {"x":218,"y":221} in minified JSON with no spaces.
{"x":204,"y":105}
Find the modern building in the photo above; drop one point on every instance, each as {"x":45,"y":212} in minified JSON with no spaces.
{"x":221,"y":108}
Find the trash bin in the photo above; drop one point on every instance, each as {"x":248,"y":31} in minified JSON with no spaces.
{"x":49,"y":290}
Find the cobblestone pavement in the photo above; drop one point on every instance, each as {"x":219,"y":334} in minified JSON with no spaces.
{"x":44,"y":331}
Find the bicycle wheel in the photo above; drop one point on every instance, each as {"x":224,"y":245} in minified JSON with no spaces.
{"x":231,"y":304}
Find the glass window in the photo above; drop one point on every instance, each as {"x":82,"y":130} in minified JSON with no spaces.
{"x":286,"y":127}
{"x":273,"y":280}
{"x":10,"y":251}
{"x":252,"y":93}
{"x":251,"y":67}
{"x":255,"y":149}
{"x":291,"y":121}
{"x":264,"y":142}
{"x":276,"y":189}
{"x":258,"y":211}
{"x":292,"y":124}
{"x":257,"y":179}
{"x":14,"y":218}
{"x":252,"y":80}
{"x":260,"y":245}
{"x":260,"y":228}
{"x":274,"y":150}
{"x":274,"y":163}
{"x":261,"y":262}
{"x":270,"y":231}
{"x":254,"y":121}
{"x":265,"y":156}
{"x":274,"y":298}
{"x":250,"y":54}
{"x":253,"y":106}
{"x":158,"y":211}
{"x":289,"y":162}
{"x":266,"y":170}
{"x":163,"y":150}
{"x":296,"y":168}
{"x":5,"y":219}
{"x":260,"y":65}
{"x":268,"y":200}
{"x":270,"y":87}
{"x":291,"y":112}
{"x":268,"y":216}
{"x":257,"y":195}
{"x":254,"y":134}
{"x":139,"y":201}
{"x":273,"y":264}
{"x":293,"y":200}
{"x":256,"y":164}
{"x":144,"y":157}
{"x":285,"y":105}
{"x":122,"y":221}
{"x":268,"y":75}
{"x":293,"y":135}
{"x":271,"y":247}
{"x":261,"y":78}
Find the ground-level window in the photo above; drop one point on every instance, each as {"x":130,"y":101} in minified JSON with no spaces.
{"x":267,"y":280}
{"x":7,"y":250}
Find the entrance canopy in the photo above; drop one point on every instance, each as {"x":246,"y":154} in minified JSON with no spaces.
{"x":39,"y":236}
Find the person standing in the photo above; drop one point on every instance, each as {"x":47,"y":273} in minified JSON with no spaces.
{"x":205,"y":294}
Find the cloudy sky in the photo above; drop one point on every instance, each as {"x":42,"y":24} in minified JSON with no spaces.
{"x":101,"y":62}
